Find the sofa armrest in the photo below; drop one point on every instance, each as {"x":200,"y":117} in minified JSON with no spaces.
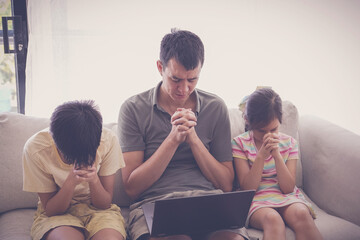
{"x":330,"y":158}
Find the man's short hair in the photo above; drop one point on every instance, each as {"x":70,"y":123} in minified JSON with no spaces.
{"x":185,"y":46}
{"x":76,"y":128}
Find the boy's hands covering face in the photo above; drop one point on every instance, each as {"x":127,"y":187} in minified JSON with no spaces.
{"x":87,"y":174}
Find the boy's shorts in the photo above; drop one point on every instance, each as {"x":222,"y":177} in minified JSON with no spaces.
{"x":80,"y":215}
{"x":137,"y":226}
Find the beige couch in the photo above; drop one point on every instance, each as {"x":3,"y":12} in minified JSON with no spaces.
{"x":327,"y":173}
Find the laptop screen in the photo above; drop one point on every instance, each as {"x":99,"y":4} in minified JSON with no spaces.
{"x":199,"y":214}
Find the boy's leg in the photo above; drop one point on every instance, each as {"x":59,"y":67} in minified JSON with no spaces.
{"x":108,"y":233}
{"x":45,"y":227}
{"x":65,"y":232}
{"x":299,"y":219}
{"x":104,"y":224}
{"x":270,"y":221}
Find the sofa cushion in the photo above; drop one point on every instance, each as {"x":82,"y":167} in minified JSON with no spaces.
{"x":334,"y":228}
{"x":16,"y":224}
{"x":331,"y":227}
{"x":15,"y":129}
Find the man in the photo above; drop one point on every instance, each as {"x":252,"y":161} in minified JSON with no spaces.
{"x":175,"y":138}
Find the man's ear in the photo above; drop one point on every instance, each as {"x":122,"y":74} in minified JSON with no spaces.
{"x":160,"y":67}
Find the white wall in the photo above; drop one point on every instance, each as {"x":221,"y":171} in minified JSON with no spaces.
{"x":308,"y":51}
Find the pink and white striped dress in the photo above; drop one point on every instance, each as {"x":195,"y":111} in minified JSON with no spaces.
{"x":268,"y":193}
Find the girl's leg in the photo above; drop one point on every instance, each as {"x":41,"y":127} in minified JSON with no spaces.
{"x":65,"y":232}
{"x":109,"y":234}
{"x":297,"y":216}
{"x":270,"y":221}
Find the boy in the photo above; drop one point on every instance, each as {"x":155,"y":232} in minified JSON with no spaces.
{"x":72,"y":166}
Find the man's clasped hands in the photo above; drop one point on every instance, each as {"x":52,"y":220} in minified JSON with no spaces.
{"x":183,"y":122}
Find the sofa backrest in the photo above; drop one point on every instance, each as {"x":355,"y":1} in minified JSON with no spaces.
{"x":15,"y":130}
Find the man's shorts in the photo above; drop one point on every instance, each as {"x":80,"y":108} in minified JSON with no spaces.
{"x":137,"y":224}
{"x":80,"y":215}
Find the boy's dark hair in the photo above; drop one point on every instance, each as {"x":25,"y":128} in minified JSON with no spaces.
{"x":76,"y":128}
{"x":185,"y":46}
{"x":262,"y":106}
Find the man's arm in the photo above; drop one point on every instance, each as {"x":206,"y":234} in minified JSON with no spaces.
{"x":220,"y":174}
{"x":138,"y":175}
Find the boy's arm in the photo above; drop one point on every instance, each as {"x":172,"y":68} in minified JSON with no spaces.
{"x":101,"y":181}
{"x":101,"y":191}
{"x":101,"y":187}
{"x":56,"y":203}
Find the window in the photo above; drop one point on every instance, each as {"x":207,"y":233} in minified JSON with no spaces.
{"x":13,"y":44}
{"x":8,"y":98}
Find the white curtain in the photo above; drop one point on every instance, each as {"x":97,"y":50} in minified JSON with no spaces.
{"x":75,"y":52}
{"x":106,"y":50}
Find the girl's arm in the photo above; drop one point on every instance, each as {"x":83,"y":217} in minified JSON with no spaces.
{"x":285,"y":172}
{"x":249,"y":178}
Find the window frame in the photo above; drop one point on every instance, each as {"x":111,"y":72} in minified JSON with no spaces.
{"x":20,"y":36}
{"x":19,"y":9}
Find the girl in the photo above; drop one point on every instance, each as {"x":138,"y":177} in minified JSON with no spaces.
{"x":265,"y":160}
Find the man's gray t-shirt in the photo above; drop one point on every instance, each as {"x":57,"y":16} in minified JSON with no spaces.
{"x":143,"y":125}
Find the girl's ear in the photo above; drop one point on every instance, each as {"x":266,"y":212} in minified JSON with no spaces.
{"x":246,"y":122}
{"x":245,"y":118}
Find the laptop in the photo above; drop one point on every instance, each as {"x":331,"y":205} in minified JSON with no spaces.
{"x":197,"y":214}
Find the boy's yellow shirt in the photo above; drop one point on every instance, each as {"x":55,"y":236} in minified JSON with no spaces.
{"x":45,"y":172}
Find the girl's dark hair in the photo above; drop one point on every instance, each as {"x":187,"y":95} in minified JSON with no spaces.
{"x":262,"y":106}
{"x":76,"y":128}
{"x":185,"y":46}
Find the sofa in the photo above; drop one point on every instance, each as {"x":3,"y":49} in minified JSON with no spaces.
{"x":327,"y":173}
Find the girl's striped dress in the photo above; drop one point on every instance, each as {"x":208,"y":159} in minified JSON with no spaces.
{"x":268,"y":193}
